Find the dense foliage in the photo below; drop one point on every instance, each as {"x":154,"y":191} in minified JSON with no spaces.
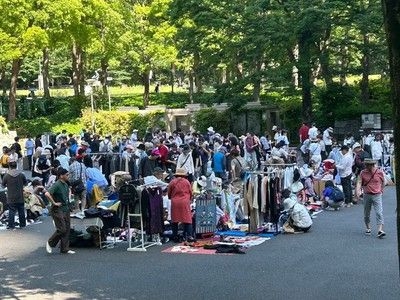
{"x":232,"y":51}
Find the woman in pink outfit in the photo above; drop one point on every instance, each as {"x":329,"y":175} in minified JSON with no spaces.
{"x":180,"y":193}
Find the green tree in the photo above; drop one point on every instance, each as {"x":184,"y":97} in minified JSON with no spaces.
{"x":149,"y":40}
{"x":391,"y":12}
{"x":23,"y":38}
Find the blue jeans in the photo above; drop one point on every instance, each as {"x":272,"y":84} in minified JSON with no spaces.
{"x":12,"y":209}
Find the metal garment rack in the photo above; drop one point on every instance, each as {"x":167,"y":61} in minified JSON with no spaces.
{"x":103,"y":153}
{"x":142,"y":247}
{"x":279,"y":165}
{"x":268,"y":173}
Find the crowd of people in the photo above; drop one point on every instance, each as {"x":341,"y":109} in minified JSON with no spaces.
{"x":74,"y":163}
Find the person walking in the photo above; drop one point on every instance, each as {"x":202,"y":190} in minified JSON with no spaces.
{"x":30,"y":149}
{"x":77,"y":172}
{"x":15,"y":181}
{"x":344,"y":168}
{"x":58,"y":195}
{"x":18,"y":151}
{"x":372,"y":181}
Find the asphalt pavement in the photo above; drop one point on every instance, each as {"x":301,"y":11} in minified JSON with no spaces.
{"x":335,"y":260}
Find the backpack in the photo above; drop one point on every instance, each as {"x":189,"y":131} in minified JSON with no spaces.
{"x":337,"y":195}
{"x":104,"y":147}
{"x":42,"y":162}
{"x":4,"y":161}
{"x":72,"y":149}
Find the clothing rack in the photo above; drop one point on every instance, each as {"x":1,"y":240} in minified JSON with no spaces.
{"x":269,"y":172}
{"x":279,"y":165}
{"x":103,"y":153}
{"x":142,"y":247}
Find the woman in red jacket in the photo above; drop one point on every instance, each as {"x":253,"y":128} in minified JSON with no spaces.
{"x":180,"y":193}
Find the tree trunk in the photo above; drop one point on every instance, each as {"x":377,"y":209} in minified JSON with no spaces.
{"x":257,"y":81}
{"x":3,"y":81}
{"x":78,"y":79}
{"x":224,"y":76}
{"x":343,"y":65}
{"x":12,"y":99}
{"x":81,"y":68}
{"x":294,"y":55}
{"x":146,"y":84}
{"x":104,"y":75}
{"x":172,"y":77}
{"x":191,"y":86}
{"x":239,"y":71}
{"x":391,"y":11}
{"x":75,"y":71}
{"x":304,"y":67}
{"x":197,"y":71}
{"x":324,"y":59}
{"x":365,"y":71}
{"x":45,"y":73}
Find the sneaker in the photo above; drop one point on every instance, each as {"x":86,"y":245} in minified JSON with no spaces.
{"x":48,"y":248}
{"x":381,"y":234}
{"x":68,"y":252}
{"x":368,"y":232}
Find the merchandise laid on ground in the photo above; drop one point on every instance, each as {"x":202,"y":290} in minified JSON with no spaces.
{"x":226,"y":220}
{"x":183,"y":211}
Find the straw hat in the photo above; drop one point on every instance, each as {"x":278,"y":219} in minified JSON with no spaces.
{"x":369,"y":161}
{"x":180,"y":172}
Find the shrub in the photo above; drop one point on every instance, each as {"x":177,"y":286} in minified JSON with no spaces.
{"x":122,"y":123}
{"x":207,"y":117}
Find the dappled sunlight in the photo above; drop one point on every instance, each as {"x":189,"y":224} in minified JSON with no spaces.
{"x":33,"y":281}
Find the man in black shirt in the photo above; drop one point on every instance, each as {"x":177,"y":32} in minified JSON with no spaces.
{"x":15,"y":181}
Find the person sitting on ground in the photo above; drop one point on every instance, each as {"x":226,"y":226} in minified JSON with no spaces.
{"x":299,"y":219}
{"x":34,"y":206}
{"x":38,"y":189}
{"x":333,"y":197}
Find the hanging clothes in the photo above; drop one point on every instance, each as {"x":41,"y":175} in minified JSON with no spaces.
{"x":152,"y":210}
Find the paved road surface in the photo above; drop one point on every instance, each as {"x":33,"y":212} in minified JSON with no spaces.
{"x":333,"y":261}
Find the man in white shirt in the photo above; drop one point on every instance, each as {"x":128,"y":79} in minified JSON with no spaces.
{"x":377,"y":149}
{"x":345,"y":173}
{"x":30,"y":148}
{"x":327,"y":138}
{"x":313,"y":132}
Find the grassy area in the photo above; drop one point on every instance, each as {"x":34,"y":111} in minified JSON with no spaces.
{"x":115,"y":91}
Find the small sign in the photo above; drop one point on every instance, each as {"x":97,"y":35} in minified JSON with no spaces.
{"x":371,"y":121}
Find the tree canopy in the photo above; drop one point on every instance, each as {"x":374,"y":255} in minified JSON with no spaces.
{"x":242,"y":49}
